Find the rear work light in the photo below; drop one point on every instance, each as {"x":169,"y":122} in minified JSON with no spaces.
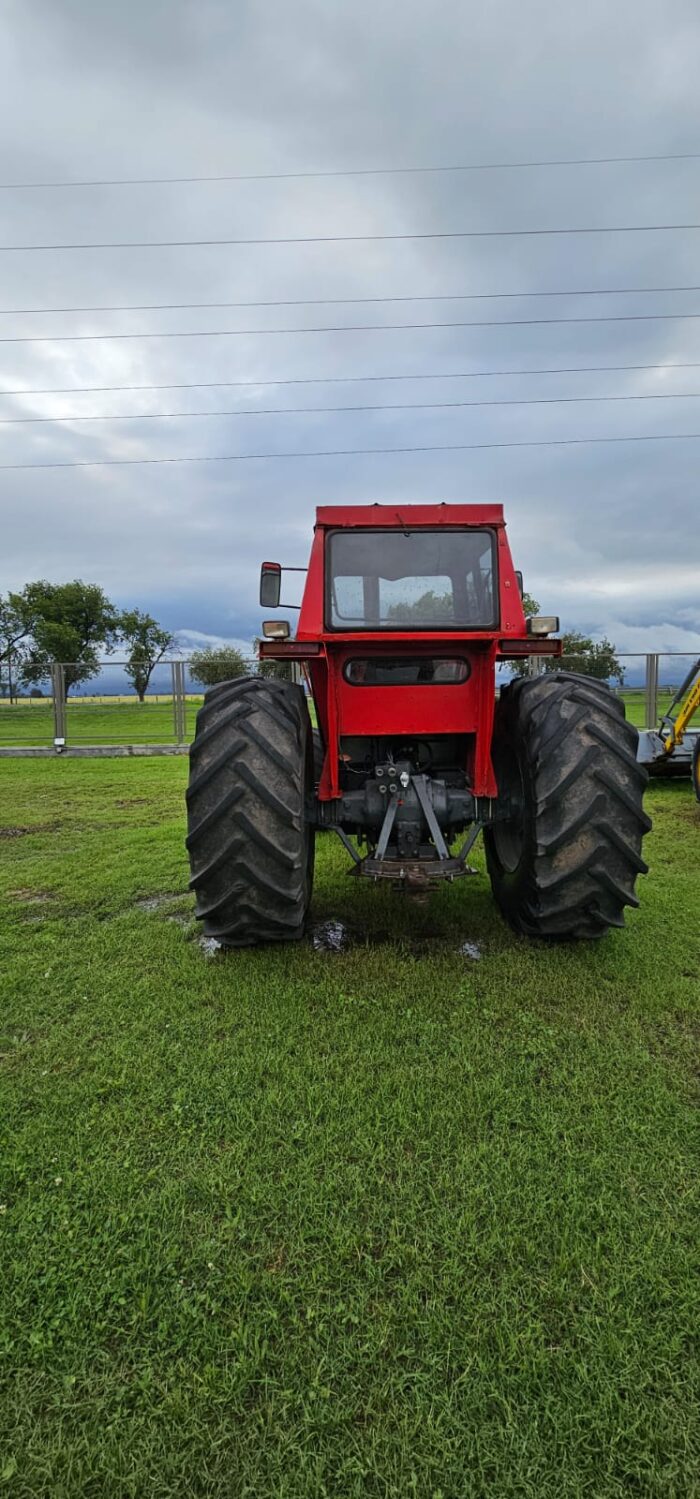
{"x":276,"y":629}
{"x":543,"y":624}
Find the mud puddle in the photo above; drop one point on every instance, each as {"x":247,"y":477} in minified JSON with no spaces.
{"x":332,"y":936}
{"x":335,"y":936}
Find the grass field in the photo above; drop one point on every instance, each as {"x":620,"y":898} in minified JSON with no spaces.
{"x":373,"y":1224}
{"x":123,"y":720}
{"x":116,"y":720}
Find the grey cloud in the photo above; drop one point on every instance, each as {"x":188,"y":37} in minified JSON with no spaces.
{"x":606,"y":535}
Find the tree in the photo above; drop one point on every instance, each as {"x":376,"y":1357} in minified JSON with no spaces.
{"x":70,"y":623}
{"x":439,"y":607}
{"x":582,"y":654}
{"x":281,"y":671}
{"x":591,"y":658}
{"x":218,"y":664}
{"x":431,"y":607}
{"x":594,"y":658}
{"x":530,"y":605}
{"x":15,"y":626}
{"x":147,"y":643}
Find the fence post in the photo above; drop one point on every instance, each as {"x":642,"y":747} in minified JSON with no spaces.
{"x":179,"y":719}
{"x":58,"y":688}
{"x":535,"y":665}
{"x":652,"y":691}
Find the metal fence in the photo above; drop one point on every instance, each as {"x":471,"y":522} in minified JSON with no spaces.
{"x":103,"y":713}
{"x":105,"y":716}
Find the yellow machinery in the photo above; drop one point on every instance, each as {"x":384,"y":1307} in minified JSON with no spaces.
{"x":676,"y":720}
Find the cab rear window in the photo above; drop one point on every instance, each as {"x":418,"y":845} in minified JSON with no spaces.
{"x":420,"y":671}
{"x":411,"y":580}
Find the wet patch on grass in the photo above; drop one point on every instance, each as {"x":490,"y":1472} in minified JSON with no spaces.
{"x":152,"y":904}
{"x":26,"y":831}
{"x":30,"y":897}
{"x":182,"y":920}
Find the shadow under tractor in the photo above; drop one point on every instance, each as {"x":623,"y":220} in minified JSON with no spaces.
{"x":406,"y":616}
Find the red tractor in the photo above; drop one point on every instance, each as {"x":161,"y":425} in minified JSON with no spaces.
{"x":406,"y":615}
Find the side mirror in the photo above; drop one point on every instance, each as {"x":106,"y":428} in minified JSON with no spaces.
{"x":521,"y":586}
{"x":276,"y":629}
{"x":270,"y":583}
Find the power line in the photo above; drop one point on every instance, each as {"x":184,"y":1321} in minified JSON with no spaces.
{"x":459,"y":296}
{"x":161,"y":416}
{"x":557,"y":369}
{"x":350,"y":239}
{"x":439,"y":447}
{"x":528,"y":322}
{"x":482,"y":166}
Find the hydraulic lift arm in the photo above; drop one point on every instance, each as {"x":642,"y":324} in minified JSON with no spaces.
{"x":688,"y":696}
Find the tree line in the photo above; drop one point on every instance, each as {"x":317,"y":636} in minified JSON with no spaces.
{"x":77,"y":625}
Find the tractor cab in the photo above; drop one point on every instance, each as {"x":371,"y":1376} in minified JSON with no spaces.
{"x":404,"y":616}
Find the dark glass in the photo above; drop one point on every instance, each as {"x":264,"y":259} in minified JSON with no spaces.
{"x":270,"y":582}
{"x":405,"y":671}
{"x":415,"y":580}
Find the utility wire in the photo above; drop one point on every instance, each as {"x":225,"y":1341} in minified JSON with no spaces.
{"x":438,"y":447}
{"x":162,"y":416}
{"x":527,"y":322}
{"x":482,"y":166}
{"x":458,"y":296}
{"x":350,"y":239}
{"x":557,"y":369}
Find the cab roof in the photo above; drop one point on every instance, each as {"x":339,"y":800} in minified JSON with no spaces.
{"x":398,"y":517}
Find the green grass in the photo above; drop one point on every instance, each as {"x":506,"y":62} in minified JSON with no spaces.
{"x":376,"y":1224}
{"x":126,"y":721}
{"x":635,"y":705}
{"x":95,"y":721}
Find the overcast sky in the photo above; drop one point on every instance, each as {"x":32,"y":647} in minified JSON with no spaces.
{"x":607,"y":535}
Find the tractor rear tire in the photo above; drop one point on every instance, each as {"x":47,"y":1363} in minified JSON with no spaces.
{"x":564,"y":865}
{"x":250,"y":841}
